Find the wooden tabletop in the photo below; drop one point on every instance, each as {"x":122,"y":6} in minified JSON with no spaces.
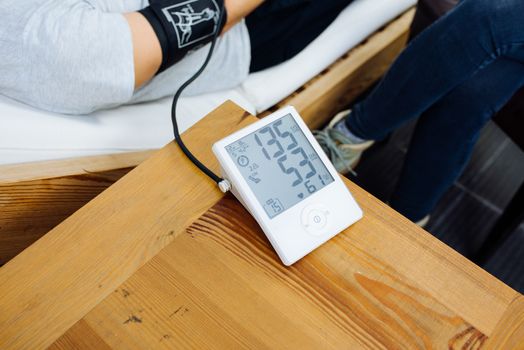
{"x":163,"y":260}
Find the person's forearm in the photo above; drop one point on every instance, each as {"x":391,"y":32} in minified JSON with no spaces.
{"x":147,"y":53}
{"x":239,"y":9}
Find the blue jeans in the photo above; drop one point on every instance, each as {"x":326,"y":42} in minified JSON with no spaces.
{"x":455,"y":76}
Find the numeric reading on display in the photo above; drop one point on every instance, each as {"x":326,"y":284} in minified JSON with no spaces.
{"x":279,"y":164}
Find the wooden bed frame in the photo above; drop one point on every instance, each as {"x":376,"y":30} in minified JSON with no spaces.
{"x":35,"y":197}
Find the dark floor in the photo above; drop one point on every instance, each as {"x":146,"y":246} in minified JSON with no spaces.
{"x":469,"y":209}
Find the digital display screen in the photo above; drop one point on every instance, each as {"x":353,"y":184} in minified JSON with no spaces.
{"x":280,"y":165}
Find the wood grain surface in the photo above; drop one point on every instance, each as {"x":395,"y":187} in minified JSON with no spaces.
{"x":221,"y":286}
{"x":36,"y":197}
{"x":509,"y":333}
{"x":80,"y":337}
{"x":68,"y":167}
{"x":155,"y":261}
{"x":29,"y":209}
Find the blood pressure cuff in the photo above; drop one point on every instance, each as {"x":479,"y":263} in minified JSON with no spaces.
{"x":184,"y":25}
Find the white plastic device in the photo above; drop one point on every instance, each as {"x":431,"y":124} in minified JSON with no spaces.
{"x":279,"y":172}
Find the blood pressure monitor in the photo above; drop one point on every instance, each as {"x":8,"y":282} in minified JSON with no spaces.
{"x":278,"y":171}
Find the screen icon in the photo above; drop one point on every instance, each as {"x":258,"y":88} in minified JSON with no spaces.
{"x":254,"y":179}
{"x":243,"y":161}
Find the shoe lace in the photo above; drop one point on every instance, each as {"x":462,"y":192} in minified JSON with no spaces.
{"x":330,"y":146}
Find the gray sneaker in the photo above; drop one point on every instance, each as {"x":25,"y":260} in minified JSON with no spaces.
{"x":424,"y":221}
{"x":343,"y":152}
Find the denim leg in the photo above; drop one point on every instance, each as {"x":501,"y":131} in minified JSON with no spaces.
{"x":446,"y":133}
{"x":452,"y":50}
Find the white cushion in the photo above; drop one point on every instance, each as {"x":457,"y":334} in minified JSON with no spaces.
{"x":28,"y":135}
{"x":357,"y":22}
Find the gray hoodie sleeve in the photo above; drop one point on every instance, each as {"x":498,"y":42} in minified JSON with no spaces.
{"x":68,"y":56}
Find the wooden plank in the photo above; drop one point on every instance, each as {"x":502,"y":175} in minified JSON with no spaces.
{"x":383,"y":283}
{"x":36,"y":197}
{"x":80,"y":337}
{"x":29,"y":209}
{"x":509,"y":333}
{"x":56,"y":281}
{"x":221,"y":286}
{"x":67,"y":167}
{"x":463,"y":287}
{"x":351,"y":75}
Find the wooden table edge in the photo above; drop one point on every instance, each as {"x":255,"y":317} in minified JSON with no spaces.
{"x":17,"y":271}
